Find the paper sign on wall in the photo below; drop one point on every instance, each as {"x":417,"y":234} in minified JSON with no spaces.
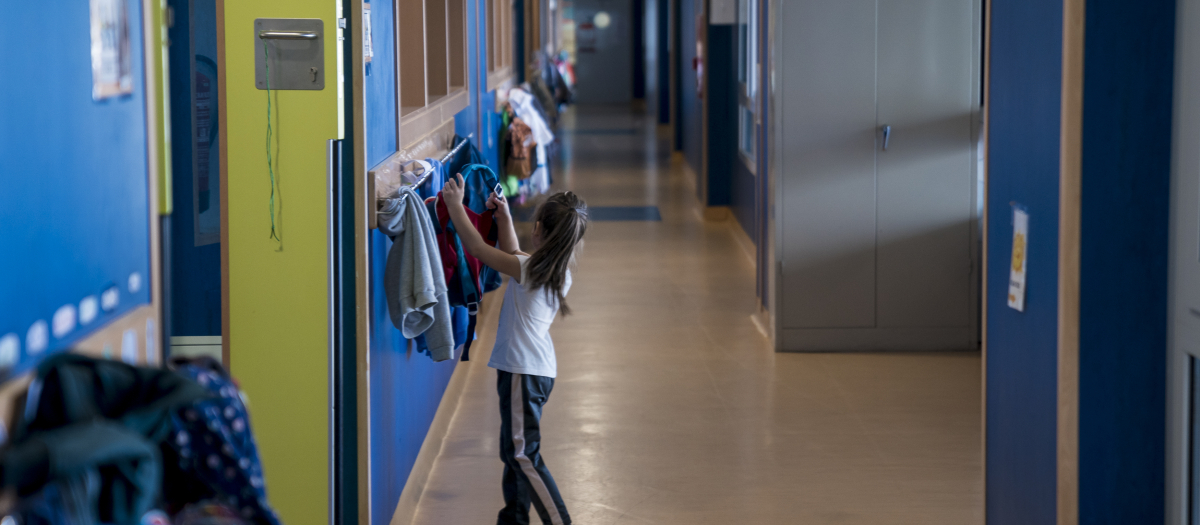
{"x":112,"y":60}
{"x":1020,"y":256}
{"x":368,"y":49}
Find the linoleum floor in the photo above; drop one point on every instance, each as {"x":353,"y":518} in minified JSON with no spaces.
{"x":670,"y":406}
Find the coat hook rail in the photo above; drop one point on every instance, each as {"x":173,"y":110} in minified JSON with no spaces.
{"x":427,"y":176}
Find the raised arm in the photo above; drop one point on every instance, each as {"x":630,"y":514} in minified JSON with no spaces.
{"x":507,"y":239}
{"x":472,"y":241}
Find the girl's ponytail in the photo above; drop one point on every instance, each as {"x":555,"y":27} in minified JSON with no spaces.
{"x":564,"y":219}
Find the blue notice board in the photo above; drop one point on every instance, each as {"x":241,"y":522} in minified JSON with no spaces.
{"x":74,"y":189}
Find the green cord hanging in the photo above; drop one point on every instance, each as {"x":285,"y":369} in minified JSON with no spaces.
{"x":270,"y":165}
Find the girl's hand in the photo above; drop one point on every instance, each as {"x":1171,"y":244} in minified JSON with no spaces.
{"x":454,"y":191}
{"x":500,"y":204}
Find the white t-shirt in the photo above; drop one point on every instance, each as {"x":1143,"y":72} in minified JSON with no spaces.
{"x":523,"y":344}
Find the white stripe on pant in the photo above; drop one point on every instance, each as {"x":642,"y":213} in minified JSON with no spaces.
{"x":518,"y":436}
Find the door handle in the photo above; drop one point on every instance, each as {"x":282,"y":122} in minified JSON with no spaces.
{"x":887,"y":133}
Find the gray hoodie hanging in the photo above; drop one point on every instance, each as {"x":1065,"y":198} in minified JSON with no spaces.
{"x":413,"y":279}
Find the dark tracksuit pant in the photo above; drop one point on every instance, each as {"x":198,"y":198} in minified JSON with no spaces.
{"x":526,"y":478}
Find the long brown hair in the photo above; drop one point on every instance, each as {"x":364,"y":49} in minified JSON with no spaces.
{"x":564,"y":219}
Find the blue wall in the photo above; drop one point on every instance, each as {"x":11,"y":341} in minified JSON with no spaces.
{"x":663,"y":62}
{"x":489,"y":140}
{"x":406,"y":386}
{"x":721,"y":96}
{"x":741,"y":196}
{"x":381,"y":85}
{"x":690,"y":115}
{"x":1023,"y":167}
{"x":1126,"y":163}
{"x":73,"y":173}
{"x":1128,"y":75}
{"x":639,"y":49}
{"x":194,"y":271}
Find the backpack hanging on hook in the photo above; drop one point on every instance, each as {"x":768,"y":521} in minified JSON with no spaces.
{"x":467,"y":279}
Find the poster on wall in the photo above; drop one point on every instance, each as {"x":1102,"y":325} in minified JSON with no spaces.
{"x":206,"y":148}
{"x":1020,"y":256}
{"x":206,"y":125}
{"x":112,"y":65}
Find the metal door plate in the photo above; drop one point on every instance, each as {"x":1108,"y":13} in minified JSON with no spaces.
{"x":295,"y":48}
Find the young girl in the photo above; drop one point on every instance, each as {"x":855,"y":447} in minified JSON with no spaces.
{"x":524,"y":354}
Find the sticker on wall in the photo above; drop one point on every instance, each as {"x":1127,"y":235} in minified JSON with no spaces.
{"x":88,"y":308}
{"x":1020,"y":258}
{"x":112,"y":58}
{"x":10,"y":348}
{"x":135,"y":282}
{"x":129,"y":346}
{"x":110,"y":298}
{"x":37,"y":338}
{"x":63,"y":321}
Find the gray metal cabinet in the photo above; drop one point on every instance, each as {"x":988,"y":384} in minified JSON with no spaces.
{"x":876,"y":198}
{"x":604,"y":51}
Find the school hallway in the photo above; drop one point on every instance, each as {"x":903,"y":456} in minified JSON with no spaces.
{"x":671,"y":407}
{"x":848,"y":262}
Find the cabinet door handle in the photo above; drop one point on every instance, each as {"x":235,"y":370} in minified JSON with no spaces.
{"x":288,"y":35}
{"x":887,"y":133}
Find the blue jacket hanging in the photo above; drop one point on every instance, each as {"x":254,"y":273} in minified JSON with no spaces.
{"x":467,"y":279}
